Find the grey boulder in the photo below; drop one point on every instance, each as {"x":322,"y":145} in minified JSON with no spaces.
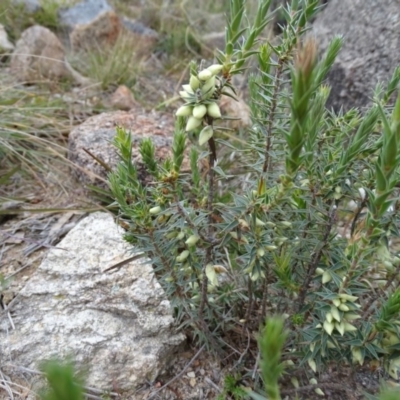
{"x":117,"y":325}
{"x":371,"y":49}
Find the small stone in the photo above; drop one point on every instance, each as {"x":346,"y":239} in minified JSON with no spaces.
{"x":202,"y":371}
{"x":191,"y":374}
{"x":122,"y":99}
{"x":193,"y":382}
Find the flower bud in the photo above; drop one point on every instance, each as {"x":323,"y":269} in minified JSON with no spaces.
{"x":199,"y":111}
{"x":357,"y":355}
{"x":260,"y":252}
{"x":259,"y":222}
{"x":336,"y":302}
{"x":285,"y":224}
{"x":192,"y":123}
{"x":181,"y":235}
{"x":192,"y":240}
{"x":185,"y":95}
{"x":329,"y":327}
{"x":312,"y":364}
{"x":349,"y":327}
{"x":183,"y":256}
{"x":194,"y":82}
{"x":215,"y":68}
{"x":319,"y":271}
{"x":340,"y":327}
{"x":188,"y":88}
{"x":295,"y":382}
{"x":345,"y":296}
{"x":213,"y":110}
{"x":184,"y":111}
{"x":326,"y":277}
{"x":329,"y":317}
{"x":206,"y":134}
{"x":208,"y":87}
{"x":343,"y":307}
{"x":155,"y":210}
{"x":205,"y":74}
{"x":335,"y":313}
{"x":351,"y":316}
{"x":271,"y":247}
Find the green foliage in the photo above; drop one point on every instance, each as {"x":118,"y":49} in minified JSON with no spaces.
{"x":271,"y":344}
{"x":232,"y":389}
{"x":16,"y":17}
{"x":306,"y":235}
{"x":47,"y":15}
{"x":62,"y":382}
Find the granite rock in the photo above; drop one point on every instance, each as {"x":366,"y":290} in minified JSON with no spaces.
{"x":117,"y":325}
{"x":39,"y":55}
{"x":371,"y":49}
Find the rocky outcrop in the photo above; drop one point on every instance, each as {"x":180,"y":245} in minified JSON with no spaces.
{"x":40,"y":55}
{"x":83,"y":13}
{"x":97,"y":133}
{"x":94,"y":23}
{"x":115,"y":324}
{"x":371,"y":50}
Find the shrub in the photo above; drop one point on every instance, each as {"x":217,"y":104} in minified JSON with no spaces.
{"x":300,"y":224}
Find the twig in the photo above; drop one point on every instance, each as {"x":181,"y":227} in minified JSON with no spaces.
{"x":6,"y":386}
{"x":211,"y":383}
{"x":315,"y":260}
{"x":256,"y":366}
{"x":278,"y":73}
{"x":124,"y":262}
{"x":244,"y":352}
{"x":9,"y":305}
{"x":180,"y":373}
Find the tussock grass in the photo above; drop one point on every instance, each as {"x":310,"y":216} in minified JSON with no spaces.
{"x":110,"y":66}
{"x":33,"y":128}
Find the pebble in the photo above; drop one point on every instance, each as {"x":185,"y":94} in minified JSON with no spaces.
{"x":193,"y":382}
{"x":191,"y":374}
{"x":202,"y":371}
